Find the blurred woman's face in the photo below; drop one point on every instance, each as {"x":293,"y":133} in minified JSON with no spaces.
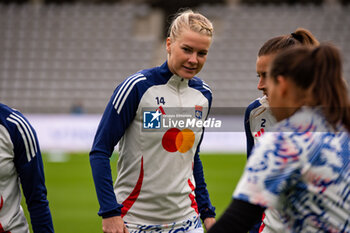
{"x":187,"y":53}
{"x":285,"y":98}
{"x":274,"y":99}
{"x":278,"y":102}
{"x":262,"y":65}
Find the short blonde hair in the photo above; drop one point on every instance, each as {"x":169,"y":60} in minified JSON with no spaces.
{"x":189,"y":20}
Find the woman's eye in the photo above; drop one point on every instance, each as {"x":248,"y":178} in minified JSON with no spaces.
{"x":262,"y":75}
{"x":186,"y":49}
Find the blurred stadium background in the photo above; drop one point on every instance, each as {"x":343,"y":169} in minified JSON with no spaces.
{"x":59,"y":54}
{"x":60,"y":61}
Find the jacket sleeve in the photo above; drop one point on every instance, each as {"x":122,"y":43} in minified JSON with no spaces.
{"x":118,"y":115}
{"x":29,"y":166}
{"x":205,"y":207}
{"x":239,"y":217}
{"x":248,"y":133}
{"x":250,"y":145}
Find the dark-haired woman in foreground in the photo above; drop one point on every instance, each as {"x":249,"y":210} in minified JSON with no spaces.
{"x":301,"y":166}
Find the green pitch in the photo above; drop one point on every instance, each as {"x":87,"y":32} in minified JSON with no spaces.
{"x":73,"y":200}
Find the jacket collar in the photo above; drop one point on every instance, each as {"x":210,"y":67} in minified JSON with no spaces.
{"x":174,"y":81}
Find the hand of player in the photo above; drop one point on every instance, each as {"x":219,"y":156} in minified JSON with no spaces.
{"x":114,"y":225}
{"x":209,"y":222}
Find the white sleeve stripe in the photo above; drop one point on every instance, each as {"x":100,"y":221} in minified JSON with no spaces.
{"x":122,"y":87}
{"x":126,"y":95}
{"x":30,"y":131}
{"x":23,"y":136}
{"x":31,"y":141}
{"x":205,"y":87}
{"x":125,"y":86}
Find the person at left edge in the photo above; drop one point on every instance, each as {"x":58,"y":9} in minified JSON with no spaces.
{"x":21,"y":163}
{"x":160,"y":187}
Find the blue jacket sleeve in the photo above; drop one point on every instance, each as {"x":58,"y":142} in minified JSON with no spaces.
{"x":29,"y":165}
{"x":250,"y":145}
{"x":118,"y":115}
{"x":205,"y":207}
{"x":238,"y":218}
{"x":248,"y":133}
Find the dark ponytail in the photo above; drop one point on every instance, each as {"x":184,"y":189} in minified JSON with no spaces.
{"x":318,"y":70}
{"x":329,"y":88}
{"x":305,"y":37}
{"x":301,"y":36}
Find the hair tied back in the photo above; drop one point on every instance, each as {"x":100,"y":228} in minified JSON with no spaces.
{"x":297,"y":37}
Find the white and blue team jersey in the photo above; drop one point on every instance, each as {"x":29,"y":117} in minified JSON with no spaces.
{"x":21,"y":164}
{"x":301,"y":168}
{"x":160,"y":184}
{"x":258,"y":118}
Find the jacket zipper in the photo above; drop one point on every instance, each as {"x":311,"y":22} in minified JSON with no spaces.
{"x":178,"y":92}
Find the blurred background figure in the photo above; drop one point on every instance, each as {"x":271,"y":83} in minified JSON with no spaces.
{"x":77,"y":108}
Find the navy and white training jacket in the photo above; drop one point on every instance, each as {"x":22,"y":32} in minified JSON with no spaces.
{"x":21,"y":164}
{"x":258,"y":120}
{"x":160,"y":175}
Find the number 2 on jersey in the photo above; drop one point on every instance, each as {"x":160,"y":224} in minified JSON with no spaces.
{"x":263,"y":121}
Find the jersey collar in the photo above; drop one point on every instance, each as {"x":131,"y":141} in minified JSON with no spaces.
{"x":174,"y":81}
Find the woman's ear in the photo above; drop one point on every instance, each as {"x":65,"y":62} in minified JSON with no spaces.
{"x":283,"y":85}
{"x":168,"y":45}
